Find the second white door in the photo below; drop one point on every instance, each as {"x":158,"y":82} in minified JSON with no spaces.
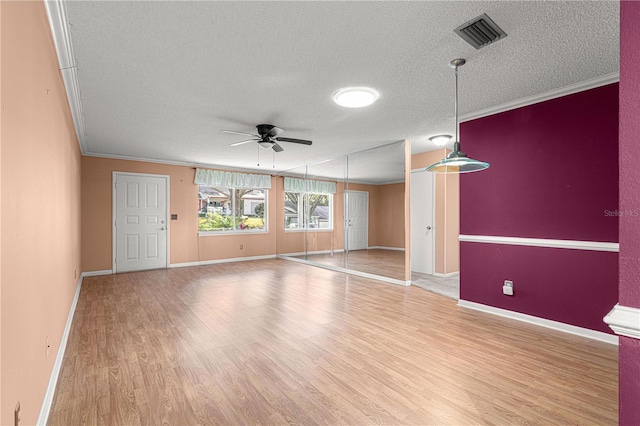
{"x":357,"y":218}
{"x":422,"y":229}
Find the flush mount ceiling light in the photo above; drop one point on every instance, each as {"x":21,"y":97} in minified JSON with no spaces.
{"x":457,"y":161}
{"x":440,"y":140}
{"x":355,"y":97}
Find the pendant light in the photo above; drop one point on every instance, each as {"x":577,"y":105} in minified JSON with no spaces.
{"x":457,"y":161}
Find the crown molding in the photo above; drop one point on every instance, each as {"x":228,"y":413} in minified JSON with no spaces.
{"x":57,"y":15}
{"x":545,"y":96}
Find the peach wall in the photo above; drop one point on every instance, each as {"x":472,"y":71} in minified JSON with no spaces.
{"x":97,"y":209}
{"x":407,"y":210}
{"x":185,"y":245}
{"x":390,"y":220}
{"x":447,"y":210}
{"x":40,"y":229}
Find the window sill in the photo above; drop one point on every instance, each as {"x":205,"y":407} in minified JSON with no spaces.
{"x":214,"y":233}
{"x":287,"y":231}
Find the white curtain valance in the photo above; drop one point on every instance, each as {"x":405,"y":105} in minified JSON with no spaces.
{"x":308,"y":185}
{"x":231,"y":180}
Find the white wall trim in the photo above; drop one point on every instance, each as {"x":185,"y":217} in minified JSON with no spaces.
{"x":302,"y":253}
{"x":348,"y":271}
{"x":624,"y":320}
{"x":45,"y":409}
{"x":450,"y":274}
{"x":97,"y":273}
{"x":385,"y":248}
{"x":216,"y":261}
{"x":554,"y":325}
{"x":545,"y":96}
{"x":542,"y":242}
{"x":57,"y":14}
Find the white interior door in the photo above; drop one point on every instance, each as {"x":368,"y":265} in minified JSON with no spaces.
{"x":422,"y":229}
{"x":140,"y":222}
{"x":357,"y":218}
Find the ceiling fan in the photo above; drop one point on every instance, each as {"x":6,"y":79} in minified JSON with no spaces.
{"x":267,"y":137}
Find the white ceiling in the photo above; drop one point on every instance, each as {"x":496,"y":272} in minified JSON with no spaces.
{"x":159,"y":80}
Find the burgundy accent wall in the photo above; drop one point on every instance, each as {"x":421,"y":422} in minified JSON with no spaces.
{"x":544,"y":285}
{"x":553,"y":175}
{"x":554,"y":170}
{"x":629,"y":351}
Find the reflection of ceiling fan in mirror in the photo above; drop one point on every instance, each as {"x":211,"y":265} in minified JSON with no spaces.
{"x":267,"y":137}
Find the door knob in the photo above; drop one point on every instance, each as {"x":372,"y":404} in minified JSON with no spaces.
{"x":162,"y":229}
{"x":428,"y":228}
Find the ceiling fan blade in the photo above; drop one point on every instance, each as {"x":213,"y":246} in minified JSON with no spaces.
{"x":302,"y":141}
{"x":277,"y":148}
{"x":275,"y":131}
{"x":243,"y":142}
{"x":238,"y":133}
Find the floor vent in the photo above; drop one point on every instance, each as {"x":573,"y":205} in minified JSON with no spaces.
{"x":480,"y":32}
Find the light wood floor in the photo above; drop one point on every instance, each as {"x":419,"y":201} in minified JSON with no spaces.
{"x":387,"y":263}
{"x":276,"y":342}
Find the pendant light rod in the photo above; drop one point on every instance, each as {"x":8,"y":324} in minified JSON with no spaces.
{"x":457,"y":161}
{"x":455,"y":64}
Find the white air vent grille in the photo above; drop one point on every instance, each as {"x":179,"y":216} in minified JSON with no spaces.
{"x":480,"y":32}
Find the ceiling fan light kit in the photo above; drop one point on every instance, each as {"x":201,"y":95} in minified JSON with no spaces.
{"x":457,"y":161}
{"x":267,"y":137}
{"x":355,"y":97}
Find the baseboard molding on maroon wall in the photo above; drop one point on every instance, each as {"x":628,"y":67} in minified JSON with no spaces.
{"x":624,"y":320}
{"x":542,"y":322}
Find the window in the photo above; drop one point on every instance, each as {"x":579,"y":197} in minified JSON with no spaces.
{"x":308,"y":210}
{"x":223,"y":209}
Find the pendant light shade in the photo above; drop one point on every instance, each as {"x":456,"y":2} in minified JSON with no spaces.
{"x":457,"y":161}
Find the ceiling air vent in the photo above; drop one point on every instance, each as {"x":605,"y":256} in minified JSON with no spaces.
{"x":480,"y":32}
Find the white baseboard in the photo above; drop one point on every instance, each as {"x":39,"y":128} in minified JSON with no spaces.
{"x":348,"y":271}
{"x":450,"y":274}
{"x":624,"y":320}
{"x":302,"y":253}
{"x":184,"y":264}
{"x":216,"y":261}
{"x":385,"y":248}
{"x":97,"y":273}
{"x":43,"y":417}
{"x":555,"y":325}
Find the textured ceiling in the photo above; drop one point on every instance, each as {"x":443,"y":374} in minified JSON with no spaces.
{"x":159,"y":80}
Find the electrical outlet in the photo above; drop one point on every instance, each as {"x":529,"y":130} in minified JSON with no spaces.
{"x":507,"y":288}
{"x":16,"y":415}
{"x":241,"y":246}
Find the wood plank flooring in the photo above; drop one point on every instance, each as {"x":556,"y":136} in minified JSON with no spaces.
{"x":275,"y":342}
{"x":387,"y":263}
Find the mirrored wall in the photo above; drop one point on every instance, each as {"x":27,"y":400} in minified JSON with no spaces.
{"x":347,"y":213}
